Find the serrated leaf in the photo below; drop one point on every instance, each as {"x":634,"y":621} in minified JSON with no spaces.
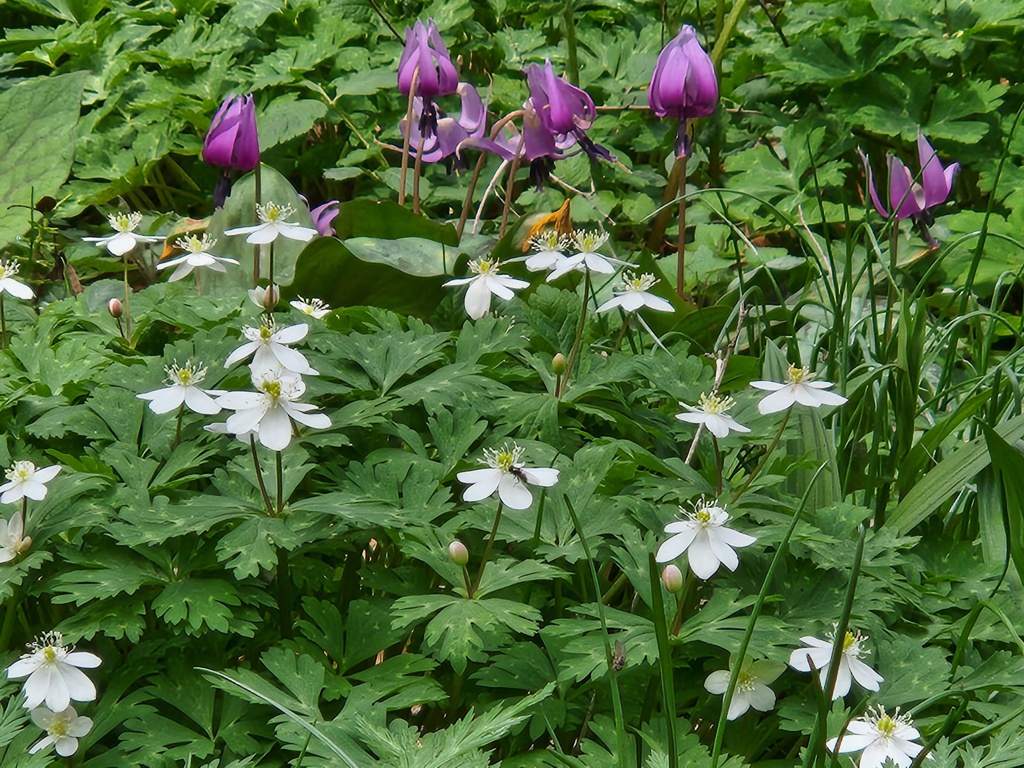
{"x":199,"y":602}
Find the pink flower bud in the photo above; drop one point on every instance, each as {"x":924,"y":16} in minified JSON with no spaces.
{"x":458,"y":553}
{"x":115,"y":308}
{"x":672,"y":578}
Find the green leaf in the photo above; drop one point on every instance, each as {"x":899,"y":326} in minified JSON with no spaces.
{"x":287,"y":117}
{"x":38,"y":119}
{"x":1008,"y":464}
{"x":201,"y":602}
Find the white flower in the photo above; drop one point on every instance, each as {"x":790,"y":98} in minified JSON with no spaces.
{"x":549,"y":247}
{"x":751,"y":688}
{"x":486,"y":281}
{"x":12,"y":537}
{"x":705,"y":539}
{"x":8,"y":269}
{"x":53,"y":673}
{"x":269,"y":348}
{"x":265,"y":298}
{"x":63,"y":729}
{"x":196,"y":255}
{"x":184,"y":389}
{"x":799,"y":387}
{"x":124,"y":238}
{"x":315,"y":308}
{"x":819,"y":654}
{"x":274,"y":223}
{"x":882,"y":737}
{"x":24,"y":480}
{"x":632,"y":294}
{"x":712,"y":413}
{"x":507,"y":475}
{"x":587,"y":258}
{"x":269,"y":412}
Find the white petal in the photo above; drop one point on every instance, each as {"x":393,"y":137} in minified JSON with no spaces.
{"x":290,"y":359}
{"x":762,"y":698}
{"x":245,"y":421}
{"x":241,"y":401}
{"x":776,"y":401}
{"x":43,"y":743}
{"x":46,"y":474}
{"x":478,"y":299}
{"x":200,"y":402}
{"x":734,"y":538}
{"x":66,"y":746}
{"x":275,"y":429}
{"x":874,"y":755}
{"x":610,"y":304}
{"x":513,"y":493}
{"x":802,"y":658}
{"x":771,"y":386}
{"x":675,"y":546}
{"x":701,"y":557}
{"x":484,"y":482}
{"x":631,"y":301}
{"x":17,"y":289}
{"x":164,"y":400}
{"x":34,"y":490}
{"x":262,"y":235}
{"x":121,"y":243}
{"x":657,"y":303}
{"x":291,"y":334}
{"x":297,"y":232}
{"x":739,"y":705}
{"x":57,"y":696}
{"x":541,"y":476}
{"x":80,"y":727}
{"x":241,"y":353}
{"x":243,"y":230}
{"x":843,"y":679}
{"x":852,"y":742}
{"x":717,"y":682}
{"x":83,"y":659}
{"x":22,"y":668}
{"x":722,"y":551}
{"x":865,"y":675}
{"x":183,"y":271}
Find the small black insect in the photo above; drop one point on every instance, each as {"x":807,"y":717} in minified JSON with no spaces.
{"x":518,"y":474}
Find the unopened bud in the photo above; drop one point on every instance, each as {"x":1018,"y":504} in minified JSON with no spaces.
{"x":558,"y":364}
{"x":24,"y":545}
{"x":672,"y":578}
{"x":265,"y":298}
{"x":115,"y":308}
{"x":458,"y":553}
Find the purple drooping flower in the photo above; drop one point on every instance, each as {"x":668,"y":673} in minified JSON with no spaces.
{"x":909,"y":198}
{"x":232,"y":143}
{"x":684,"y":84}
{"x":322,"y":217}
{"x":563,"y":109}
{"x":426,"y":70}
{"x":450,"y":131}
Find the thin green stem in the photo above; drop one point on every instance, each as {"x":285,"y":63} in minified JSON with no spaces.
{"x":665,"y":666}
{"x":681,"y":242}
{"x":488,"y":548}
{"x":764,"y":459}
{"x":620,"y":723}
{"x":259,"y":476}
{"x":572,"y":63}
{"x":279,"y":466}
{"x":177,"y":426}
{"x":258,"y":197}
{"x":737,"y":664}
{"x":127,"y":301}
{"x":3,"y":324}
{"x":406,"y":138}
{"x":510,"y":186}
{"x":271,"y":263}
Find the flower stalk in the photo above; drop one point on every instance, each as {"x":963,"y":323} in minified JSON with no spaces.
{"x":578,"y":341}
{"x":487,"y":550}
{"x":407,"y":135}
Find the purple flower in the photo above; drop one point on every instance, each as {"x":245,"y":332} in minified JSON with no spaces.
{"x":684,"y":84}
{"x":908,"y":198}
{"x":469,"y":123}
{"x":322,"y":217}
{"x":425,"y":60}
{"x":231,"y":142}
{"x":562,"y":109}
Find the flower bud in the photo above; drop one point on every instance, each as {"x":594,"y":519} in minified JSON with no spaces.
{"x":458,"y":553}
{"x":24,"y":545}
{"x":672,"y":578}
{"x":231,"y":142}
{"x":115,"y":308}
{"x":558,"y":364}
{"x":425,"y":58}
{"x":684,"y":84}
{"x":265,"y":298}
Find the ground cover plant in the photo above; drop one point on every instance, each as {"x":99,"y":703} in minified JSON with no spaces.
{"x":545,"y":384}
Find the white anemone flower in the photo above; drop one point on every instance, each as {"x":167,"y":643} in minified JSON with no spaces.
{"x":705,"y":540}
{"x":586,"y":258}
{"x":183,"y":389}
{"x":13,"y":540}
{"x":315,"y":308}
{"x":274,"y":218}
{"x":25,"y":481}
{"x":17,"y":289}
{"x":550,"y":250}
{"x":632,"y":294}
{"x":882,"y":737}
{"x":508,"y":475}
{"x":269,"y":412}
{"x":751,"y":687}
{"x":124,"y":238}
{"x":196,"y":256}
{"x":53,"y":673}
{"x":486,"y":281}
{"x":712,"y":412}
{"x":63,"y":730}
{"x":269,"y":348}
{"x":819,"y":655}
{"x":799,"y":387}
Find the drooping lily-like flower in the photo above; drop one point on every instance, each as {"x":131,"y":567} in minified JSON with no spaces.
{"x":13,"y":540}
{"x":426,"y":70}
{"x":25,"y":481}
{"x":183,"y":389}
{"x":315,"y":308}
{"x":124,"y":238}
{"x":8,"y":269}
{"x":322,"y":217}
{"x":705,"y":539}
{"x":508,"y":475}
{"x":275,"y":222}
{"x":909,"y":198}
{"x":751,"y":687}
{"x":563,"y":109}
{"x":486,"y":280}
{"x":632,"y":294}
{"x":587,"y":243}
{"x":819,"y":654}
{"x":882,"y":737}
{"x":684,"y":84}
{"x":63,"y":730}
{"x":53,"y":673}
{"x":196,"y":255}
{"x":712,"y":412}
{"x":799,"y":387}
{"x":268,"y":413}
{"x":270,"y":348}
{"x":231,"y":142}
{"x":469,"y":123}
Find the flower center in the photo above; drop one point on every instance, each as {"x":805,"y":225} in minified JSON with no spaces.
{"x":272,"y":213}
{"x":21,"y":471}
{"x":49,"y":654}
{"x":312,"y":305}
{"x":549,"y":240}
{"x":272,"y":387}
{"x":798,"y":375}
{"x":504,"y":458}
{"x":124,"y":222}
{"x":745,"y":681}
{"x":483,"y":266}
{"x":638,"y":283}
{"x":187,"y":375}
{"x":59,"y":728}
{"x":266,"y":332}
{"x":194,"y":244}
{"x":716,"y":405}
{"x":10,"y":268}
{"x":886,"y":726}
{"x":588,"y":241}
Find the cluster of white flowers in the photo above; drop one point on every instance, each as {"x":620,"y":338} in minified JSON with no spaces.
{"x":53,"y":679}
{"x":24,"y":482}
